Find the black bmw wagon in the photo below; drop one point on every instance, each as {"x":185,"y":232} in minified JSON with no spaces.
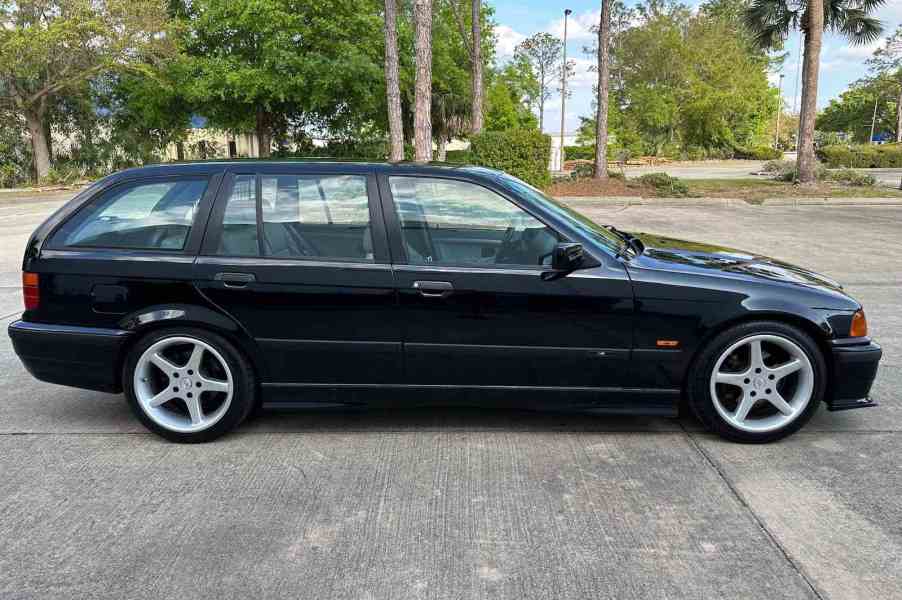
{"x":205,"y":291}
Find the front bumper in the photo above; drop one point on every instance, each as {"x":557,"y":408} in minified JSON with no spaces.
{"x":854,"y":369}
{"x":83,"y":357}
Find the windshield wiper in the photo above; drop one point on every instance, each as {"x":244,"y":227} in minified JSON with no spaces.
{"x":630,"y":241}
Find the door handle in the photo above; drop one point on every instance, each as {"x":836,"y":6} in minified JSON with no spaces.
{"x":433,"y":289}
{"x":235,"y":280}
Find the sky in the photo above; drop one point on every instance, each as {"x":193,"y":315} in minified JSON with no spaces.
{"x":841,"y":64}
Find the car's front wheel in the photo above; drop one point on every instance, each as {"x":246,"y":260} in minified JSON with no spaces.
{"x":188,"y":385}
{"x":758,"y":382}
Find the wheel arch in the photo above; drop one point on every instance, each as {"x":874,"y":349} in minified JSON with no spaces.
{"x":155,"y":318}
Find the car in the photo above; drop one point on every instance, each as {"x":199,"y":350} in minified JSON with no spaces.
{"x":205,"y":291}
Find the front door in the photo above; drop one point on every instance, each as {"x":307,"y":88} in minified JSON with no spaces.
{"x":476,"y":311}
{"x":300,"y":260}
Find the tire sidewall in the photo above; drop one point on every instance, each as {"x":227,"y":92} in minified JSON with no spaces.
{"x":699,"y":384}
{"x":242,"y":397}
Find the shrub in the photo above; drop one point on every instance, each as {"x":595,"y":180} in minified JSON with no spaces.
{"x":579,"y":152}
{"x":791,"y":173}
{"x":861,"y":156}
{"x":778,"y":166}
{"x":758,"y":153}
{"x":458,"y":156}
{"x":852,"y":177}
{"x":523,"y":153}
{"x":664,"y":184}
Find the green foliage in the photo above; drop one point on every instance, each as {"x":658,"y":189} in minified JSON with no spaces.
{"x":758,"y":153}
{"x":853,"y":178}
{"x":852,"y":112}
{"x":778,"y":166}
{"x":579,"y":152}
{"x":15,"y":151}
{"x":458,"y":156}
{"x":862,"y":156}
{"x":665,"y":185}
{"x":523,"y":153}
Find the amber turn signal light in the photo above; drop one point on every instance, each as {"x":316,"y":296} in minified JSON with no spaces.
{"x":859,"y":325}
{"x":31,"y":290}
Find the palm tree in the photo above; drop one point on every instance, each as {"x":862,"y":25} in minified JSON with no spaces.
{"x":601,"y":114}
{"x":771,"y":21}
{"x":392,"y":84}
{"x":422,"y":119}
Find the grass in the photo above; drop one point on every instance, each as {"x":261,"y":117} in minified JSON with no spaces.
{"x":750,"y":189}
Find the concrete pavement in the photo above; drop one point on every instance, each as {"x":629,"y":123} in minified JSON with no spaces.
{"x":463,"y":504}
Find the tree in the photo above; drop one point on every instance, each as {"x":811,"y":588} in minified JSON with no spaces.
{"x":543,"y":52}
{"x":476,"y":62}
{"x":772,"y":20}
{"x":888,"y":61}
{"x":392,"y":82}
{"x":509,"y":97}
{"x":422,"y":115}
{"x":49,"y":47}
{"x":601,"y":115}
{"x":851,"y":113}
{"x":266,"y":65}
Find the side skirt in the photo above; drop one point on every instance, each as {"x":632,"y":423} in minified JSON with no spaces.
{"x":613,"y":400}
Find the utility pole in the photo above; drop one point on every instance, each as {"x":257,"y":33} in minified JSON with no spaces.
{"x":779,"y":110}
{"x":874,"y":119}
{"x":567,"y":13}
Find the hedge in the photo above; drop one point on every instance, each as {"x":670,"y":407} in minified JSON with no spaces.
{"x":758,"y":153}
{"x":579,"y":152}
{"x":862,"y":156}
{"x":458,"y":156}
{"x":523,"y":153}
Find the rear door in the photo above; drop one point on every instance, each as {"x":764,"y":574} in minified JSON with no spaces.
{"x":299,"y":257}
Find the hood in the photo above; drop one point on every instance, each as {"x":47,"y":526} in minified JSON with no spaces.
{"x":694,"y":256}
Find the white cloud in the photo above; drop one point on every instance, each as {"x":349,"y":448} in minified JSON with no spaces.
{"x":507,"y":40}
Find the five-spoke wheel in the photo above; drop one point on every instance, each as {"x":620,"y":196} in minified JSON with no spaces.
{"x":758,"y":381}
{"x":188,"y":385}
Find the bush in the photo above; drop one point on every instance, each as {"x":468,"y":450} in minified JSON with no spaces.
{"x":853,"y":178}
{"x":758,"y":153}
{"x":586,"y":170}
{"x":458,"y":156}
{"x":778,"y":166}
{"x":791,"y":173}
{"x":664,"y":184}
{"x":862,"y":156}
{"x":523,"y":153}
{"x":579,"y":152}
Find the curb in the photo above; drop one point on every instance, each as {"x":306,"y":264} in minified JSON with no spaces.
{"x":734,"y":202}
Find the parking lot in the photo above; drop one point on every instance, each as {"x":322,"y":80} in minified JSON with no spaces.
{"x":459,"y":503}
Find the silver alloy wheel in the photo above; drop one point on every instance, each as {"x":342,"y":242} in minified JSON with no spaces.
{"x":187,"y":397}
{"x":777,"y":372}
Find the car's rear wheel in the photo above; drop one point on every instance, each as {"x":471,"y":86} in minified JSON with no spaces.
{"x":188,"y":385}
{"x":758,"y":382}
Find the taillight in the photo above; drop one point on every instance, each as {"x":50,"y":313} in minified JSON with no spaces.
{"x":31,"y":290}
{"x":859,"y":325}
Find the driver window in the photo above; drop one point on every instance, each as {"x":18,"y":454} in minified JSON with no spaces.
{"x":450,"y":222}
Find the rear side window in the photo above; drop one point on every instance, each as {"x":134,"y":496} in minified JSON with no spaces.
{"x":154,"y":215}
{"x":302,"y":216}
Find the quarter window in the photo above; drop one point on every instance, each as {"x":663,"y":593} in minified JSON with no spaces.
{"x":450,"y":222}
{"x":302,"y":216}
{"x":149,"y":216}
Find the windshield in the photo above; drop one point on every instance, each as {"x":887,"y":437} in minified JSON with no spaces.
{"x":586,"y":226}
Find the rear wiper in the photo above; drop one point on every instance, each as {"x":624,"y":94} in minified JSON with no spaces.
{"x":630,"y":241}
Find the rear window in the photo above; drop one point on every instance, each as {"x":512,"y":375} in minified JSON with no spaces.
{"x":155,"y":215}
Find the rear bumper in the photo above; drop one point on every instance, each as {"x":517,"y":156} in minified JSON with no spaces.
{"x":83,"y":357}
{"x":854,"y":370}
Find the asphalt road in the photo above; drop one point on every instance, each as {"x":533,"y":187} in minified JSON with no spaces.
{"x":462,"y":504}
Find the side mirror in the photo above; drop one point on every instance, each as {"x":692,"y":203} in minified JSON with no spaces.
{"x":567,"y":257}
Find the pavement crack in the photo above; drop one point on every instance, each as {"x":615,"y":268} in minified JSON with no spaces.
{"x":761,"y":525}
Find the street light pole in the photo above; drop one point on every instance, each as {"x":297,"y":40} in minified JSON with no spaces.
{"x":779,"y":110}
{"x":564,"y":87}
{"x":874,"y":118}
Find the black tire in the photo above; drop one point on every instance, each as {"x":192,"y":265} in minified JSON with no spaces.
{"x":243,"y":396}
{"x":698,"y":390}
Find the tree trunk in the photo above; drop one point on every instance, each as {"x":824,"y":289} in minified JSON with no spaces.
{"x":441,"y":151}
{"x":807,"y":163}
{"x":422,"y":116}
{"x":180,"y":150}
{"x":392,"y":83}
{"x":476,"y":65}
{"x":39,"y":144}
{"x":601,"y":113}
{"x":899,"y":115}
{"x":264,"y":133}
